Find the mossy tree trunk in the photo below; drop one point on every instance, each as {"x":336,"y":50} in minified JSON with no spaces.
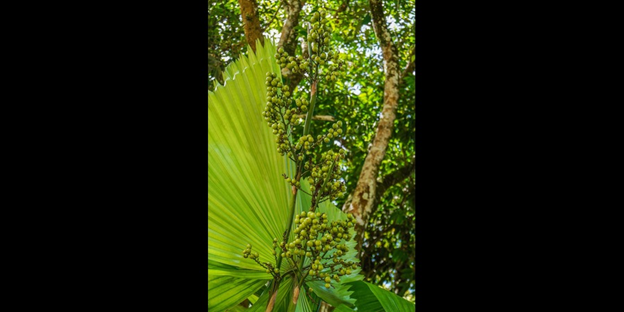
{"x":363,"y":197}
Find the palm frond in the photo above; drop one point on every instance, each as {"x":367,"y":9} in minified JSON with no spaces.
{"x":247,"y":197}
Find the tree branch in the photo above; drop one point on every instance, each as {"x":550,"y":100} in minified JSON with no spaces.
{"x":319,"y":117}
{"x":396,"y":176}
{"x":410,"y":65}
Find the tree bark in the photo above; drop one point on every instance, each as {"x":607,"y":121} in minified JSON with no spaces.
{"x":363,"y":196}
{"x":288,"y":38}
{"x":251,"y":22}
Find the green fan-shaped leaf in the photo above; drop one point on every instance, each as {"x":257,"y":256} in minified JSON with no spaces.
{"x":247,"y":197}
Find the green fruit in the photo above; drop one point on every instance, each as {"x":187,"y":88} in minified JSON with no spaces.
{"x":327,"y":280}
{"x":327,"y":285}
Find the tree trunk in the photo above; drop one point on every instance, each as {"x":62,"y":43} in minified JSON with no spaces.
{"x":363,"y":197}
{"x":288,"y":38}
{"x":251,"y":23}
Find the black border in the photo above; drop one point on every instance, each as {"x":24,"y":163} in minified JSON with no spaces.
{"x":130,"y":145}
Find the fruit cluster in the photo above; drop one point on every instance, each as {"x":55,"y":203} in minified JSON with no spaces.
{"x":294,"y":64}
{"x":317,"y":239}
{"x":322,"y":241}
{"x":324,"y":178}
{"x":282,"y":116}
{"x":256,"y":257}
{"x":320,"y":51}
{"x":279,"y":113}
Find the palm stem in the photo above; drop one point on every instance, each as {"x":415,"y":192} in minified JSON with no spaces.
{"x":293,"y":201}
{"x":306,"y":130}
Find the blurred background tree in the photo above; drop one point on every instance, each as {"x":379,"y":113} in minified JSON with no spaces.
{"x":373,"y":122}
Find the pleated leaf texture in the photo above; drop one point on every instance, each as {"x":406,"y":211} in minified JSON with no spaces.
{"x":247,"y":196}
